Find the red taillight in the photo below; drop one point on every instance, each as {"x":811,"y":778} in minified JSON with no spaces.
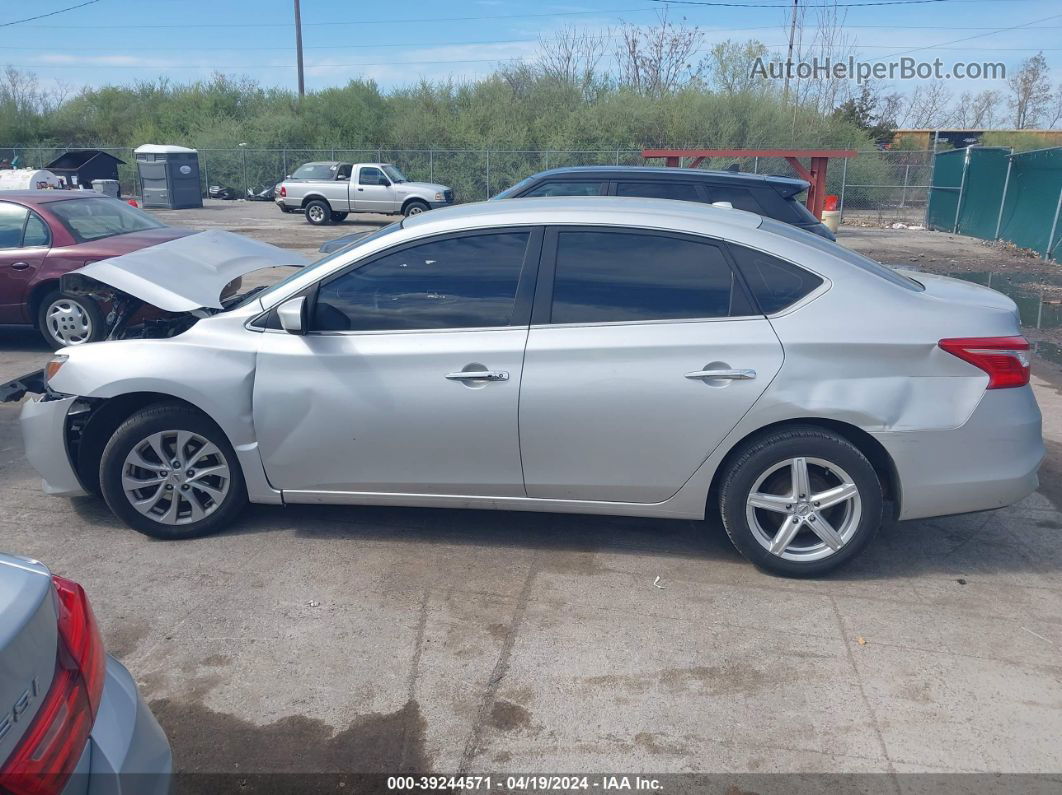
{"x":1005,"y":359}
{"x":49,"y":751}
{"x":283,"y":192}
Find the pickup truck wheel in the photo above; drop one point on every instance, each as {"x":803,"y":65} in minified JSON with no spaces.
{"x":170,"y":472}
{"x":415,"y":207}
{"x":318,"y":212}
{"x":337,"y":217}
{"x":65,"y":320}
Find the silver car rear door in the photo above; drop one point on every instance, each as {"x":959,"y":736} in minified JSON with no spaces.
{"x":408,"y":382}
{"x":644,"y":352}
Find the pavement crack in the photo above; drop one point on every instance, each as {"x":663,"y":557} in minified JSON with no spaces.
{"x":501,"y":668}
{"x":414,"y":673}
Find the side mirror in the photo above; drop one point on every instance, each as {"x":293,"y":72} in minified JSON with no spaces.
{"x":342,"y":177}
{"x":292,"y":315}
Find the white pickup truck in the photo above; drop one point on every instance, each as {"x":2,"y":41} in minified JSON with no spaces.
{"x":327,"y":192}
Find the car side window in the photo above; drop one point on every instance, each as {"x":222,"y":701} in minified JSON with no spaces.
{"x":775,"y":283}
{"x":611,"y":276}
{"x":739,"y":198}
{"x":12,"y":221}
{"x":457,"y":282}
{"x":368,"y":175}
{"x":37,"y":232}
{"x":680,"y":191}
{"x":571,"y":188}
{"x":344,"y":171}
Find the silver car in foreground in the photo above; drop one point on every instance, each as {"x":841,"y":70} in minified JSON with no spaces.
{"x":72,"y":720}
{"x":592,"y":355}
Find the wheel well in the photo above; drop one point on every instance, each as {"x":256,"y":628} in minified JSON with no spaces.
{"x":866,"y":444}
{"x":87,"y":433}
{"x":37,"y":295}
{"x":416,"y":199}
{"x":307,"y":199}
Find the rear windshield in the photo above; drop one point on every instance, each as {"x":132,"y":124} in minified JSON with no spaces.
{"x":95,"y":219}
{"x":316,"y":171}
{"x":839,"y":251}
{"x":514,"y":189}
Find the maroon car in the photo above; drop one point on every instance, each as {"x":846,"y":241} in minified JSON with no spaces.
{"x":44,"y":234}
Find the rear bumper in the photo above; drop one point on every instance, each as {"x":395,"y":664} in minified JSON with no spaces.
{"x":989,"y":462}
{"x":127,"y":753}
{"x":44,"y":435}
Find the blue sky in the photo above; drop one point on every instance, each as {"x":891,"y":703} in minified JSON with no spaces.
{"x":118,"y":41}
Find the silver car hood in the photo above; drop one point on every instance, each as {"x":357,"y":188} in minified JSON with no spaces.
{"x":188,"y":273}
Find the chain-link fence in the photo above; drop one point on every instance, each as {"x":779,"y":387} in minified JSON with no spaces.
{"x":877,"y":185}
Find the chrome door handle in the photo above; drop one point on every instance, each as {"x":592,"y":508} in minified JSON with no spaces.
{"x":479,"y":375}
{"x":733,"y":375}
{"x":19,"y":266}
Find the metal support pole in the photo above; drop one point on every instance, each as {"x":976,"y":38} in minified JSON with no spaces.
{"x":298,"y":48}
{"x":206,"y":177}
{"x":488,"y":173}
{"x":756,"y":164}
{"x":962,"y":190}
{"x":1054,"y":228}
{"x":903,"y":194}
{"x":844,"y":183}
{"x":1003,"y":198}
{"x":245,"y":185}
{"x":431,"y":165}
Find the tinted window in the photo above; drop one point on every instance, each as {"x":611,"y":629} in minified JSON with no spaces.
{"x":681,"y":191}
{"x":565,"y":189}
{"x":463,"y":282}
{"x":775,"y":283}
{"x":316,"y":171}
{"x":37,"y":233}
{"x":12,"y":219}
{"x":371,"y":176}
{"x":740,"y":198}
{"x":94,"y":219}
{"x":344,"y":171}
{"x":612,"y":276}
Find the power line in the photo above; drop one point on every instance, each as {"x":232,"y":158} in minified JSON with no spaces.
{"x":49,"y":14}
{"x":718,"y":3}
{"x":968,"y":38}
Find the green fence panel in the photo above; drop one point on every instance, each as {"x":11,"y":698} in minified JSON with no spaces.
{"x":1032,"y":202}
{"x":986,"y":174}
{"x":944,"y":195}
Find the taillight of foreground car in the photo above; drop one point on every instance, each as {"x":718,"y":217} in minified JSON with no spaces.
{"x":49,"y":751}
{"x":1005,"y":359}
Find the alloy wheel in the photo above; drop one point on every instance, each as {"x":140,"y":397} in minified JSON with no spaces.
{"x":803,"y":509}
{"x":316,"y":214}
{"x":68,"y":322}
{"x":175,"y":477}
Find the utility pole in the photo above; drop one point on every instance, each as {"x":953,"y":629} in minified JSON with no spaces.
{"x":788,"y":57}
{"x":298,"y":48}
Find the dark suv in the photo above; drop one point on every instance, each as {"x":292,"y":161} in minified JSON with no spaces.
{"x":769,"y":196}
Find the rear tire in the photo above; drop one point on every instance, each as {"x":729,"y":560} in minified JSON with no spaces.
{"x":801,"y":501}
{"x":68,"y":320}
{"x":415,"y":207}
{"x":318,"y":212}
{"x":144,"y":473}
{"x":339,"y":217}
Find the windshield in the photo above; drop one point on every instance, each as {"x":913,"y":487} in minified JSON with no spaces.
{"x":505,"y":194}
{"x":316,"y":171}
{"x":395,"y":174}
{"x":300,"y":272}
{"x":97,"y":218}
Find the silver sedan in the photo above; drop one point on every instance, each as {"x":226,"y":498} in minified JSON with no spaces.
{"x":592,"y":355}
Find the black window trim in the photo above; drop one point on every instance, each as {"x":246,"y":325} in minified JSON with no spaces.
{"x":525,"y":285}
{"x":542,"y":310}
{"x":602,"y":186}
{"x":698,"y":185}
{"x":785,"y":310}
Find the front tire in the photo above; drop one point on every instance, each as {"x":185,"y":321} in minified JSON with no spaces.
{"x":170,"y":473}
{"x":801,"y":501}
{"x":68,"y":320}
{"x":415,"y":207}
{"x":318,"y":212}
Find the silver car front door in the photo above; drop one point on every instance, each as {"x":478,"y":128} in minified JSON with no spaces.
{"x":408,"y":380}
{"x":644,"y":352}
{"x":374,"y":192}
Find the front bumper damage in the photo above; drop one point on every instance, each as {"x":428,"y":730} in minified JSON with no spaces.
{"x":44,"y":432}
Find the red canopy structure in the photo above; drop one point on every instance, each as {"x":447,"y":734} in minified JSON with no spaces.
{"x":815,"y":174}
